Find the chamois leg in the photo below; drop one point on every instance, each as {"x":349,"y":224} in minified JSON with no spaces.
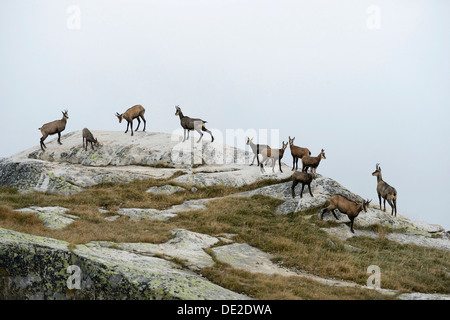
{"x":139,"y":123}
{"x":128,"y":124}
{"x":261,"y":164}
{"x":323,"y":212}
{"x":384,"y":203}
{"x":309,"y":187}
{"x":301,"y":192}
{"x":254,"y":156}
{"x":296,"y":163}
{"x":392,"y":206}
{"x":145,"y":122}
{"x":204,"y":129}
{"x":59,"y":137}
{"x":351,"y":224}
{"x":293,"y":163}
{"x":201,"y":135}
{"x":379,"y":199}
{"x":42,"y":142}
{"x":395,"y":206}
{"x":294,"y":184}
{"x":334,"y":214}
{"x":279,"y":162}
{"x":131,"y":127}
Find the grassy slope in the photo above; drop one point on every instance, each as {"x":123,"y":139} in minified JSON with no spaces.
{"x":295,"y":239}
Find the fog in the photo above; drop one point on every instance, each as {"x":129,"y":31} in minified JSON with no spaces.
{"x":368,"y":81}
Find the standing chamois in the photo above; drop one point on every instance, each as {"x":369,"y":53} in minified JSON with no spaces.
{"x":256,"y":148}
{"x":132,"y":113}
{"x":89,"y":137}
{"x":274,"y":155}
{"x":385,"y":191}
{"x":312,"y":162}
{"x":346,"y":206}
{"x":190,"y":124}
{"x":53,"y":127}
{"x":305,"y":178}
{"x":297,"y":153}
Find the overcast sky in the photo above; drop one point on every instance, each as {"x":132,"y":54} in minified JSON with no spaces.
{"x":366,"y":80}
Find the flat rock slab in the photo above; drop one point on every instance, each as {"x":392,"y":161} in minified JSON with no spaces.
{"x":185,"y":245}
{"x":54,"y":218}
{"x":166,"y":189}
{"x":149,"y":214}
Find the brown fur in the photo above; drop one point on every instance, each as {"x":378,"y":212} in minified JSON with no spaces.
{"x":346,"y":206}
{"x":53,"y":127}
{"x":256,"y":148}
{"x":385,"y":191}
{"x":297,"y":153}
{"x":304,"y":178}
{"x":273,"y":154}
{"x":190,"y":124}
{"x":89,"y":137}
{"x":135,"y":112}
{"x":312,"y":162}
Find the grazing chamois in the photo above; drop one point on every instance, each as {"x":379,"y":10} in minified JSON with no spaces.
{"x":346,"y":206}
{"x":305,"y":178}
{"x":312,"y":162}
{"x":274,"y":155}
{"x":190,"y":124}
{"x":256,"y":148}
{"x":53,"y":127}
{"x":385,"y":191}
{"x":297,"y":153}
{"x":135,"y":112}
{"x":89,"y":137}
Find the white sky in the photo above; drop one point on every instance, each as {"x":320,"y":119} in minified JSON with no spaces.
{"x":309,"y":69}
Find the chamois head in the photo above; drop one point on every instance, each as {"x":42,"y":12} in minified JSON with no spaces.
{"x":65,"y":114}
{"x":291,"y":141}
{"x":365,"y":204}
{"x":249,"y":140}
{"x":322,"y":154}
{"x":284,"y":145}
{"x":178,"y":110}
{"x":377,"y":171}
{"x":119,"y":116}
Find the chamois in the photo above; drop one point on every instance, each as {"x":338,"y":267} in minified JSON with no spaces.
{"x":89,"y":137}
{"x":53,"y":127}
{"x":274,"y":155}
{"x":312,"y":162}
{"x":256,"y":148}
{"x":346,"y":206}
{"x":385,"y":191}
{"x":297,"y":153}
{"x":305,"y":178}
{"x":135,"y":112}
{"x":190,"y":124}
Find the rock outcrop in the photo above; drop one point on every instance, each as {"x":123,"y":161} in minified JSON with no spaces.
{"x":33,"y":267}
{"x":68,"y":168}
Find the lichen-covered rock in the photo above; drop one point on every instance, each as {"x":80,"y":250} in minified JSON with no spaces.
{"x":33,"y":267}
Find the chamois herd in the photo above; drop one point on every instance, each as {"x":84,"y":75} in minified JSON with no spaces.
{"x":303,"y":177}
